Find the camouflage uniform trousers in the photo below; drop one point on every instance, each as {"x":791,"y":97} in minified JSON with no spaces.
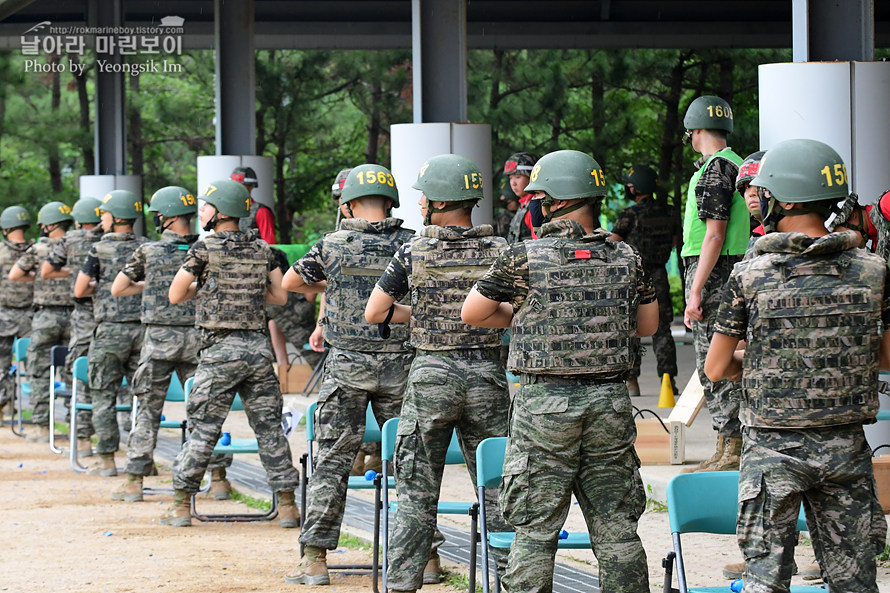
{"x":573,"y":437}
{"x":351,"y":380}
{"x":830,"y":471}
{"x":14,"y":323}
{"x":445,"y":391}
{"x":82,"y":327}
{"x":662,"y":340}
{"x":113,"y":355}
{"x":235,"y":362}
{"x":722,"y":397}
{"x":50,"y":327}
{"x":166,"y":348}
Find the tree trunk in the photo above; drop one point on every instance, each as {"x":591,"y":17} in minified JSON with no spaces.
{"x":55,"y":165}
{"x":134,"y":132}
{"x":374,"y":131}
{"x":284,"y":225}
{"x":83,"y":99}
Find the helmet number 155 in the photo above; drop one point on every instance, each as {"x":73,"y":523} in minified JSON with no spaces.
{"x":839,"y":177}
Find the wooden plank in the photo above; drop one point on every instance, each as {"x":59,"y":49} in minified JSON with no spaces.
{"x":690,"y":402}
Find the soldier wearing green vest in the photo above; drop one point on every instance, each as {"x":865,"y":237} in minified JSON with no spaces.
{"x":715,"y":235}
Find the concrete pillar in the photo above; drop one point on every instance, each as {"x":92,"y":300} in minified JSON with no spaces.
{"x":235,"y":77}
{"x":110,"y":137}
{"x":439,"y":50}
{"x":830,"y":30}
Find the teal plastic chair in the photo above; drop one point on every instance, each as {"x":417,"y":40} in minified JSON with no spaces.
{"x":23,"y":388}
{"x":453,"y":456}
{"x":234,"y":447}
{"x":80,"y":372}
{"x":368,"y":481}
{"x":706,"y":502}
{"x":57,"y":355}
{"x":489,"y":470}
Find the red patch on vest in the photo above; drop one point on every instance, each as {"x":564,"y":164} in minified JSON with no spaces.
{"x":582,"y":254}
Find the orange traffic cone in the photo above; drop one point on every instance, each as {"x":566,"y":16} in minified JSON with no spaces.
{"x":666,"y":397}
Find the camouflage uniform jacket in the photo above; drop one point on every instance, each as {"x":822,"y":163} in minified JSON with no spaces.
{"x":813,"y":311}
{"x":157,"y":263}
{"x":72,"y":250}
{"x":351,"y":260}
{"x":15,"y":295}
{"x":50,"y":293}
{"x":105,"y":259}
{"x":650,"y":227}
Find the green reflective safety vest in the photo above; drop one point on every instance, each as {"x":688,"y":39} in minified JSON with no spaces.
{"x":738,"y":228}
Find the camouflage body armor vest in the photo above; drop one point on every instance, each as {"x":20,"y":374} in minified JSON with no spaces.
{"x":162,"y":260}
{"x":56,"y":292}
{"x":652,"y":235}
{"x":246,"y":223}
{"x":18,"y":295}
{"x":814,"y":334}
{"x":361,"y":254}
{"x":77,"y":245}
{"x":580,"y":313}
{"x":232,"y":288}
{"x":445,"y":264}
{"x":114,"y":250}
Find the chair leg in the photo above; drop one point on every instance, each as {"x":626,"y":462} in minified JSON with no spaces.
{"x":483,"y":530}
{"x":474,"y":519}
{"x":17,"y":420}
{"x":668,"y":565}
{"x":304,"y":485}
{"x":375,"y":561}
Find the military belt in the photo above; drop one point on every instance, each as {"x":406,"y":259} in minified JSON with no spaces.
{"x":466,"y":353}
{"x":526,"y":379}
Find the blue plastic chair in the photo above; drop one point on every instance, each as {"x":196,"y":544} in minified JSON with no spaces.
{"x":706,"y":502}
{"x":57,"y":355}
{"x":235,"y":446}
{"x":489,"y":470}
{"x":80,"y":372}
{"x":371,"y":435}
{"x":453,"y":456}
{"x":23,"y":388}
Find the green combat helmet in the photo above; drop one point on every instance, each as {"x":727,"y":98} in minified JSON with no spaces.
{"x":800,"y":171}
{"x":449,"y":178}
{"x":643,"y":177}
{"x":568,"y":175}
{"x":173,"y":201}
{"x":14,"y":217}
{"x":337,"y":187}
{"x":370,"y":180}
{"x":228,"y":197}
{"x":122,"y":204}
{"x":54,"y":212}
{"x":86,"y":211}
{"x":708,"y":113}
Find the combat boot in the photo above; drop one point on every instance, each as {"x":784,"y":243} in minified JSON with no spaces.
{"x":105,"y":467}
{"x":708,"y":464}
{"x":288,"y":511}
{"x":220,"y":487}
{"x":732,"y":449}
{"x":84,"y":448}
{"x":41,"y":436}
{"x":432,"y":572}
{"x":633,"y":388}
{"x":312,"y":569}
{"x":736,"y":570}
{"x":358,"y":464}
{"x":374,"y":463}
{"x":180,"y":514}
{"x":811,"y":572}
{"x":129,"y":491}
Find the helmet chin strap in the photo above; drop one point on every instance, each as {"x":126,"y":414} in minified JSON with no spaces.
{"x":448,"y":207}
{"x":211,"y":224}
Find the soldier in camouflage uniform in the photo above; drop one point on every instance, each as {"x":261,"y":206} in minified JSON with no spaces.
{"x":651,"y":227}
{"x":15,"y":297}
{"x":457,"y":380}
{"x":117,"y":340}
{"x":715,"y":234}
{"x":54,"y":303}
{"x":509,"y":205}
{"x":295,"y":319}
{"x":69,"y":254}
{"x":518,"y":167}
{"x":573,"y":299}
{"x":813,"y":309}
{"x":362,"y":366}
{"x":229,"y":273}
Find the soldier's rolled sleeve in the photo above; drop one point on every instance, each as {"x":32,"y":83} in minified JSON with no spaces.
{"x":91,"y":264}
{"x":644,"y":282}
{"x":195,"y":259}
{"x":135,"y":268}
{"x":625,"y":223}
{"x":394,"y":280}
{"x":310,"y":267}
{"x":732,"y":315}
{"x":715,"y":188}
{"x":58,"y":257}
{"x":499,"y":282}
{"x":28,"y":261}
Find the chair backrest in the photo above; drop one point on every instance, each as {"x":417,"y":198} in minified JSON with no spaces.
{"x":175,"y":392}
{"x":81,"y":369}
{"x":58,"y":354}
{"x":372,"y":429}
{"x":490,"y":461}
{"x":237,"y":404}
{"x":453,"y":455}
{"x":707,"y":502}
{"x":20,"y":348}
